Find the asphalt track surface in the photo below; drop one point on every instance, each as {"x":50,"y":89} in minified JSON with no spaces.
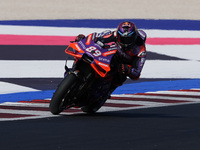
{"x":164,"y":128}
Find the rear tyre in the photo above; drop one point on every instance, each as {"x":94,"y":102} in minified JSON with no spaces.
{"x":93,"y":107}
{"x":56,"y":104}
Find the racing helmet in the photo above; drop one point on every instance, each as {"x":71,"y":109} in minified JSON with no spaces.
{"x":126,"y":34}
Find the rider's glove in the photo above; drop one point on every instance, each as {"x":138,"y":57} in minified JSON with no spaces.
{"x":79,"y":37}
{"x":124,"y":69}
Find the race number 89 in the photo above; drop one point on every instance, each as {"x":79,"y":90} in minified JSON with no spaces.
{"x":94,"y":51}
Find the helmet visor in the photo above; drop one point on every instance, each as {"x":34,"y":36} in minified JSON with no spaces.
{"x":126,"y":40}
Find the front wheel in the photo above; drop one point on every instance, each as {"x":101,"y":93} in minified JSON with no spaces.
{"x":57,"y":101}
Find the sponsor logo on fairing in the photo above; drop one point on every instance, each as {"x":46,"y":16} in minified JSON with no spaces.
{"x":112,"y":48}
{"x":104,"y":59}
{"x":102,"y":64}
{"x":78,"y":48}
{"x":99,"y":44}
{"x":109,"y":53}
{"x":81,"y":43}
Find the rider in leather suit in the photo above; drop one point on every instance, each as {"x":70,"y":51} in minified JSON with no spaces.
{"x":132,"y":51}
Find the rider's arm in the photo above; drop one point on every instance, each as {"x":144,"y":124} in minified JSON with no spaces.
{"x":106,"y":37}
{"x":137,"y":64}
{"x":134,"y":70}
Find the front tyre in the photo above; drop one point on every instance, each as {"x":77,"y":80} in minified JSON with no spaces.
{"x":56,"y":104}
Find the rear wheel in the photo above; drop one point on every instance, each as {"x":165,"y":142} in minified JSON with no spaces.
{"x":57,"y":102}
{"x":94,"y":106}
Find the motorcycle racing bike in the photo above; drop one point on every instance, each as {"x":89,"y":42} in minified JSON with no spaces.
{"x":88,"y":83}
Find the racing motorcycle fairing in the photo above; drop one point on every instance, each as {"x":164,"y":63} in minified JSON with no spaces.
{"x":98,"y":57}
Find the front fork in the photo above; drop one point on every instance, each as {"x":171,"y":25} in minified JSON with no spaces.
{"x":79,"y":92}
